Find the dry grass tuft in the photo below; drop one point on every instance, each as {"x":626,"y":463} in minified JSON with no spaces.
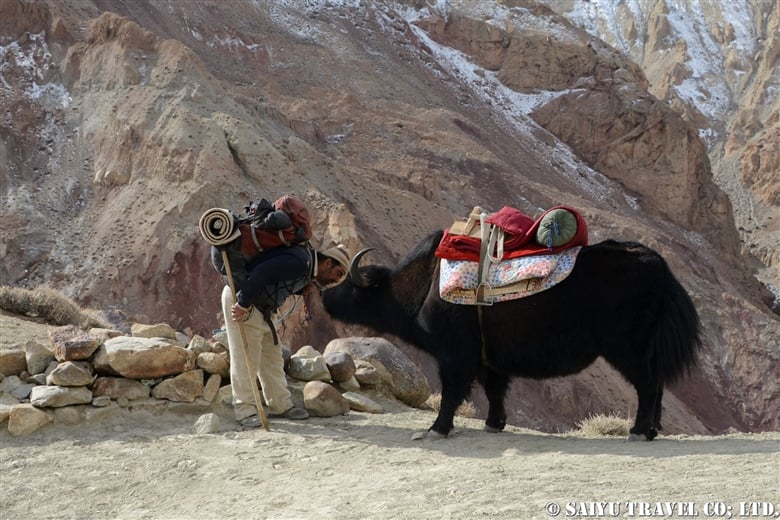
{"x":605,"y":426}
{"x":47,"y":304}
{"x":465,"y":410}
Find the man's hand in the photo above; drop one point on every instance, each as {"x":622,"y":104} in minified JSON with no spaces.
{"x":240,"y":313}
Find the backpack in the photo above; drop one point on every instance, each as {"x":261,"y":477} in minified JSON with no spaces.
{"x":263,"y":226}
{"x":266,"y":226}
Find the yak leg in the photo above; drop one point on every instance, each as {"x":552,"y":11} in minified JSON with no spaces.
{"x":455,"y":387}
{"x":649,"y":390}
{"x":647,"y":410}
{"x":495,"y":386}
{"x":658,"y":399}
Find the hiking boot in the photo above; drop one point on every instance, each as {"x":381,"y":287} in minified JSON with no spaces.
{"x":253,"y":421}
{"x":294,"y":414}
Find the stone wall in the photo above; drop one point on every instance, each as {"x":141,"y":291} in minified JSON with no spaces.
{"x":81,"y":373}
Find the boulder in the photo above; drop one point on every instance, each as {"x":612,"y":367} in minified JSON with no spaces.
{"x":71,"y":373}
{"x":404,"y":379}
{"x":211,"y":388}
{"x":341,"y":366}
{"x":12,"y":361}
{"x":142,"y":358}
{"x":207,"y":423}
{"x":361,"y":403}
{"x":366,"y":373}
{"x":57,"y":396}
{"x":14,"y":386}
{"x":322,"y":400}
{"x":73,"y":344}
{"x":37,"y":356}
{"x":199,"y":344}
{"x":185,"y":387}
{"x":26,"y":419}
{"x":159,"y":330}
{"x":308,"y":365}
{"x":214,"y":363}
{"x":120,"y":388}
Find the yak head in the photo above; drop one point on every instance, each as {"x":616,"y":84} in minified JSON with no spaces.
{"x":368,"y":297}
{"x":360,"y":296}
{"x":382,"y":298}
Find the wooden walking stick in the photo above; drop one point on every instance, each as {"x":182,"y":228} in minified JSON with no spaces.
{"x":252,"y":372}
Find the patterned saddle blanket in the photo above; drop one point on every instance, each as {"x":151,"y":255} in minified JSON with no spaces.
{"x":509,"y":279}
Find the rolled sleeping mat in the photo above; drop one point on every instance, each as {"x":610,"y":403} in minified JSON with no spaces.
{"x":557,"y":228}
{"x":218,"y":227}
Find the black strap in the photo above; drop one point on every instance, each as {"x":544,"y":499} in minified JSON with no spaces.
{"x":270,"y":322}
{"x":483,"y":338}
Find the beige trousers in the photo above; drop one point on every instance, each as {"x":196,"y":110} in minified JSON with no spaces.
{"x":269,"y":368}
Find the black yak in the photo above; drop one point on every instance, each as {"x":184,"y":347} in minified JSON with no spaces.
{"x":620,"y":302}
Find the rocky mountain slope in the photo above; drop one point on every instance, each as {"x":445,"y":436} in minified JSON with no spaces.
{"x":716,"y":63}
{"x":123,"y":122}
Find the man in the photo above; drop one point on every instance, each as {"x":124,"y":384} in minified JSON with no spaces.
{"x":262,"y":287}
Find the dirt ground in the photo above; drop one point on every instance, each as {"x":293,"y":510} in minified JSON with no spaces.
{"x":147,"y":464}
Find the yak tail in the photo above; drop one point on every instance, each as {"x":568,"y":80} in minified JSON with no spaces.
{"x":678,"y":335}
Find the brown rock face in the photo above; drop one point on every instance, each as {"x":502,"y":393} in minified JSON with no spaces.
{"x":759,"y":163}
{"x":649,"y":150}
{"x":125,"y":121}
{"x":604,"y":113}
{"x":719,"y":72}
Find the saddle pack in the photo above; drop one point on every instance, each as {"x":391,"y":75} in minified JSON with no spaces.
{"x":510,"y":233}
{"x":539,"y":253}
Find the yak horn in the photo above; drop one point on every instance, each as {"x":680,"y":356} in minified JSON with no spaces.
{"x":354,"y":274}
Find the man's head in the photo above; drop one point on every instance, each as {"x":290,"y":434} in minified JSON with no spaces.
{"x":333,"y":265}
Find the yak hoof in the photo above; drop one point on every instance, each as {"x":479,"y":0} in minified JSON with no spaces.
{"x":427,"y":434}
{"x":491,"y":429}
{"x":637,"y":437}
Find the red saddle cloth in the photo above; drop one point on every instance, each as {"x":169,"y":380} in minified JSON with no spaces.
{"x":519,"y":236}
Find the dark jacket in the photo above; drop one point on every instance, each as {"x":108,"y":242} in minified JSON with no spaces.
{"x":271,"y":277}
